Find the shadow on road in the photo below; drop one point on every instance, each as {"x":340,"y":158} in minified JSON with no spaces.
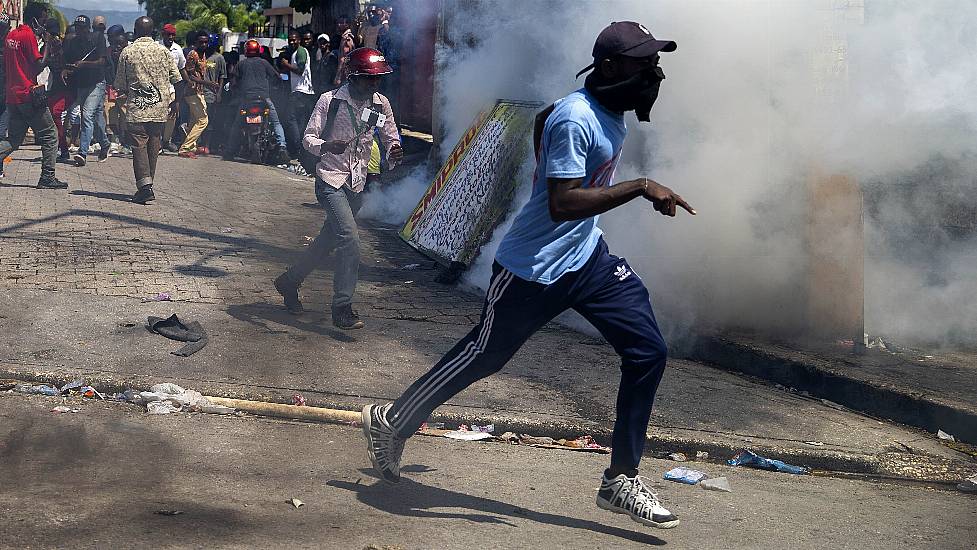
{"x":411,"y":499}
{"x":260,"y":314}
{"x":102,"y":195}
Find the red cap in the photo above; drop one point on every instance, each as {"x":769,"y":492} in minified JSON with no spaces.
{"x":169,"y":28}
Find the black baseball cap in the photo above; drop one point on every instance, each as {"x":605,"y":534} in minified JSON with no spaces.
{"x":84,"y":21}
{"x":629,"y":39}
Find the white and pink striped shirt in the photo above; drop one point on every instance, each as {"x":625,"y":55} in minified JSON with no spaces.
{"x":349,"y":167}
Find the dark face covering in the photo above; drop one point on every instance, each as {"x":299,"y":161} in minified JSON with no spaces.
{"x":635,"y":93}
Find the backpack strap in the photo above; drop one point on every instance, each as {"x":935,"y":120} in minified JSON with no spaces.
{"x":334,"y":105}
{"x":538,"y":127}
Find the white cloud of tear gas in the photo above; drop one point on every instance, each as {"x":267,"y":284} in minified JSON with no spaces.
{"x":393,"y":203}
{"x":758,"y":96}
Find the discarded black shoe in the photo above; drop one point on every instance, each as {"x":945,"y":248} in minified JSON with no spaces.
{"x":144,"y":195}
{"x":175,"y":329}
{"x":345,"y":318}
{"x":290,"y":293}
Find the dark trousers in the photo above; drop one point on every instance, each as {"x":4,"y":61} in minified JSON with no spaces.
{"x":296,"y":119}
{"x":58,"y":102}
{"x":606,"y":292}
{"x":38,"y":119}
{"x":145,"y":138}
{"x":339,"y":233}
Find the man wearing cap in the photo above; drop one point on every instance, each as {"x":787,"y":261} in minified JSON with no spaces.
{"x":340,"y":136}
{"x":176,"y":52}
{"x":325,"y":66}
{"x":145,"y":75}
{"x":554,"y":258}
{"x":85,"y":57}
{"x":25,"y":98}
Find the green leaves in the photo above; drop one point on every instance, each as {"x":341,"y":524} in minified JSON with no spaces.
{"x":209,"y":15}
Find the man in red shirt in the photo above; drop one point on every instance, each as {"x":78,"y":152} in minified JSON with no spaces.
{"x":26,"y":100}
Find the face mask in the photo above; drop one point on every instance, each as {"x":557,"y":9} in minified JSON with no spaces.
{"x":636,"y":93}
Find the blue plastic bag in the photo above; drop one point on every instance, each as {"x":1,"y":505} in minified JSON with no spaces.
{"x":747,"y":458}
{"x":684,"y":475}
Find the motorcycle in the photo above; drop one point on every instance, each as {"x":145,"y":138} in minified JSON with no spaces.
{"x":257,"y":132}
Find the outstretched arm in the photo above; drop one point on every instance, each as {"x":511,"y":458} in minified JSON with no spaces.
{"x":569,"y":200}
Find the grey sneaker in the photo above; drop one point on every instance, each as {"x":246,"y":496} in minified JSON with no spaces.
{"x":632,"y":496}
{"x":383,"y":446}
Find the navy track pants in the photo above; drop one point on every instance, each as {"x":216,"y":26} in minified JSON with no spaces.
{"x":606,"y":292}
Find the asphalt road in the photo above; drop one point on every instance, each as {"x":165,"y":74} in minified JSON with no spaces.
{"x":96,"y":478}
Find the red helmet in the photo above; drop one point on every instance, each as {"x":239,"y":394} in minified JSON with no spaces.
{"x":369,"y":62}
{"x":252,"y":48}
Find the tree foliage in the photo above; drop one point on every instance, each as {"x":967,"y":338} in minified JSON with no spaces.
{"x":52,"y":11}
{"x":209,"y":15}
{"x":165,"y":11}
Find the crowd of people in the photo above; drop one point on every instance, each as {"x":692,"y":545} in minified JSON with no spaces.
{"x":78,"y":70}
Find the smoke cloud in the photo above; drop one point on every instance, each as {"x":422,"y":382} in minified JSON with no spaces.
{"x":758,"y":97}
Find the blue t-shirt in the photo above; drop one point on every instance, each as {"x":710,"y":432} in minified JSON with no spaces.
{"x":581,"y":139}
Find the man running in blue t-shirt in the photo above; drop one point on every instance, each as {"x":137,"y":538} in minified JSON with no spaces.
{"x":554,"y":258}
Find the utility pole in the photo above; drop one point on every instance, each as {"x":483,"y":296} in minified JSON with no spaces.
{"x":835,"y":228}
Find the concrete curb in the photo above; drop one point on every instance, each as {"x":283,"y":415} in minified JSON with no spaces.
{"x":826,"y":380}
{"x":905,"y":466}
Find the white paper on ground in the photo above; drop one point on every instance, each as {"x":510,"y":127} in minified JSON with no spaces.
{"x":467,"y":436}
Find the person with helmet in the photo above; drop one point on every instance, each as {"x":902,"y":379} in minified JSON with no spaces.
{"x":252,"y":75}
{"x":554,"y":258}
{"x":340,"y":134}
{"x":217,"y":74}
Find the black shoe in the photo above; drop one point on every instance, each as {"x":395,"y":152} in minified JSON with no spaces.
{"x":345,"y":318}
{"x":51,"y":183}
{"x":171,"y":148}
{"x":80,"y":160}
{"x":143,"y":195}
{"x":64,"y":157}
{"x":103,"y":154}
{"x":290,"y":293}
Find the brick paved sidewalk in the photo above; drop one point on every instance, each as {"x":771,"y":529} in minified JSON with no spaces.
{"x":219,"y":232}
